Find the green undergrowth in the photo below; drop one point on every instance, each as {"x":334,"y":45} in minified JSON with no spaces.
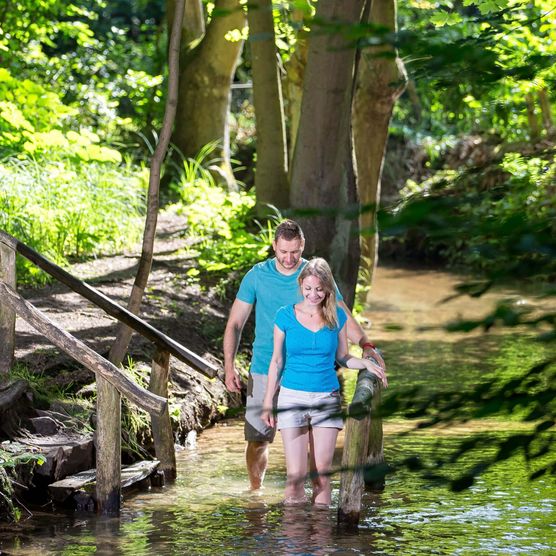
{"x":225,"y":236}
{"x":67,"y":209}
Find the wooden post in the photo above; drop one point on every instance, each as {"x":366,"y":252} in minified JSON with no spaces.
{"x":375,"y":451}
{"x":108,"y":445}
{"x":162,"y":425}
{"x":7,"y":313}
{"x":356,"y":448}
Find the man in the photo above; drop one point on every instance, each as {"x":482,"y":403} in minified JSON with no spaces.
{"x":270,"y":285}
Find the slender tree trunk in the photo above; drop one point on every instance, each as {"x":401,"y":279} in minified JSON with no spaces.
{"x":271,"y":174}
{"x":293,"y":80}
{"x":323,"y":178}
{"x":119,"y":348}
{"x":546,"y":112}
{"x":206,"y":75}
{"x":534,"y":128}
{"x":381,"y":80}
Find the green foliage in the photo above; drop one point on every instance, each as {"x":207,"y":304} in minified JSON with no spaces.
{"x":219,"y":223}
{"x":104,"y":60}
{"x":66,"y":209}
{"x":486,"y":219}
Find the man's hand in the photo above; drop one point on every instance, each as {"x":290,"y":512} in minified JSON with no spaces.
{"x":232,"y":380}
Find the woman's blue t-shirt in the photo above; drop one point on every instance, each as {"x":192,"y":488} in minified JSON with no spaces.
{"x":309,"y":356}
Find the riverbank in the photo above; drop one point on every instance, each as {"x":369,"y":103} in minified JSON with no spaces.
{"x":55,"y":404}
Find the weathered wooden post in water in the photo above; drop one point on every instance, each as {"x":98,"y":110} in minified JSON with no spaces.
{"x":161,"y":424}
{"x":363,"y":446}
{"x":7,"y":314}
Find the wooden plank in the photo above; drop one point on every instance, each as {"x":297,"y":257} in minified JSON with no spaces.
{"x":7,"y":314}
{"x":81,"y":352}
{"x":109,"y":450}
{"x":86,"y":480}
{"x":117,"y":311}
{"x":162,"y":425}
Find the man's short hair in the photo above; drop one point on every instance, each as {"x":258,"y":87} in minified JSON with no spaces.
{"x":288,"y":230}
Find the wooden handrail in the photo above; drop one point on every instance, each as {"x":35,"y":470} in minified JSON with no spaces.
{"x":146,"y":400}
{"x":160,"y":339}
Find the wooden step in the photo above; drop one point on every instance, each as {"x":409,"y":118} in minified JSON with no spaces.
{"x":79,"y":489}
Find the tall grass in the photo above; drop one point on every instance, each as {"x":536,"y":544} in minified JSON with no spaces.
{"x":66,"y":208}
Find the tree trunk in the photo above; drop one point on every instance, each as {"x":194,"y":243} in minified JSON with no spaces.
{"x":206,"y":75}
{"x":381,"y":79}
{"x":534,"y":129}
{"x":193,"y":23}
{"x":546,"y":112}
{"x":323,"y":178}
{"x":123,"y":335}
{"x":271,"y":173}
{"x":293,"y":81}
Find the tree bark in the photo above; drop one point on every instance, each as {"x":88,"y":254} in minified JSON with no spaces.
{"x":193,"y":23}
{"x":123,"y":335}
{"x":7,"y":314}
{"x":534,"y":128}
{"x":271,"y":172}
{"x":381,"y":79}
{"x":323,"y":178}
{"x":293,"y":81}
{"x":546,"y":112}
{"x":206,"y":75}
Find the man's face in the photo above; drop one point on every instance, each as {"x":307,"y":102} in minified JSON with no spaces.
{"x":288,"y":254}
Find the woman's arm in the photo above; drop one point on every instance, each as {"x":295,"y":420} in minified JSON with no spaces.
{"x":274,"y":372}
{"x":345,"y":359}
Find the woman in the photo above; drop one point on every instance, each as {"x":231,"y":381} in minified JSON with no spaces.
{"x":309,"y":410}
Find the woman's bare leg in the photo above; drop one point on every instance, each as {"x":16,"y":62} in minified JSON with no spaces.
{"x":296,"y":442}
{"x":323,"y":443}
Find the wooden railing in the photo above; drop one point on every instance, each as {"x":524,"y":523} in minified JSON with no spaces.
{"x":111,"y":381}
{"x":363,"y":447}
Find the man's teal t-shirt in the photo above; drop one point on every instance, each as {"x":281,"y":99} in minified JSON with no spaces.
{"x":309,"y":356}
{"x":268,"y":290}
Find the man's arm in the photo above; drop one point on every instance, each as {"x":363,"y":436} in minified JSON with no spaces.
{"x":239,"y":314}
{"x":356,"y":335}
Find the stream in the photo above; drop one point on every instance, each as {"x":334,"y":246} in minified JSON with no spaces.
{"x":210,"y":511}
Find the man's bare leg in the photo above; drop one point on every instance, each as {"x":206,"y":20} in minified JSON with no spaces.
{"x":256,"y":457}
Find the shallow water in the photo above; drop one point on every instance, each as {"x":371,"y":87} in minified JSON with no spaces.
{"x":209,"y":510}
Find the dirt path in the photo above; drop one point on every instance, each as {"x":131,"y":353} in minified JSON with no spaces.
{"x":174,"y":304}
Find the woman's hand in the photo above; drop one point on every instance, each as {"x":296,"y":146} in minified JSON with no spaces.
{"x":268,"y":417}
{"x":377,"y":370}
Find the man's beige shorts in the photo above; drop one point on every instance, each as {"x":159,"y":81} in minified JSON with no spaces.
{"x":256,"y":430}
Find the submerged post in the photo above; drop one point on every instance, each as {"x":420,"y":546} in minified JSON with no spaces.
{"x":356,"y":447}
{"x":108,"y":447}
{"x":7,"y":313}
{"x":161,"y":424}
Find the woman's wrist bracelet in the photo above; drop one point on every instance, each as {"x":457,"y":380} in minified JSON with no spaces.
{"x":368,"y":345}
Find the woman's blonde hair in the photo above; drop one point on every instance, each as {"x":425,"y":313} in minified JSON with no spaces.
{"x":319,"y":268}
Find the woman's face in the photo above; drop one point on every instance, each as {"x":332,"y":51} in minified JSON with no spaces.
{"x":312,"y":290}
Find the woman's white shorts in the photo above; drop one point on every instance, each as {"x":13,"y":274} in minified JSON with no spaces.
{"x":297,"y":408}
